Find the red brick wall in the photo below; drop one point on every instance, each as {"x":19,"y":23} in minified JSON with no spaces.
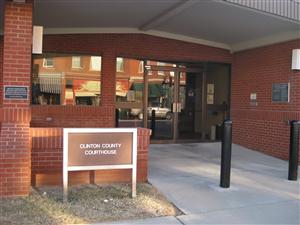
{"x":46,"y":153}
{"x":72,"y":116}
{"x":109,"y":46}
{"x":15,"y":114}
{"x":263,"y":127}
{"x":138,"y":46}
{"x":1,"y":68}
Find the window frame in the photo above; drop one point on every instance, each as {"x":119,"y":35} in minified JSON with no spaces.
{"x":80,"y":62}
{"x":141,"y":67}
{"x":45,"y":64}
{"x":288,"y":94}
{"x":120,"y":69}
{"x":91,"y":63}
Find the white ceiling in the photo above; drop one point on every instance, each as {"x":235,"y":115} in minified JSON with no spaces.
{"x":98,"y":13}
{"x":211,"y":22}
{"x":225,"y":23}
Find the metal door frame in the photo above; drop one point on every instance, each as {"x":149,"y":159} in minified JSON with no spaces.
{"x":176,"y":104}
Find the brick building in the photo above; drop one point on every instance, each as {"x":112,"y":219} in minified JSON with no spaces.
{"x":194,"y":69}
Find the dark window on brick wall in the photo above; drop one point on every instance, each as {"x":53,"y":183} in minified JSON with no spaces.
{"x":280,"y":92}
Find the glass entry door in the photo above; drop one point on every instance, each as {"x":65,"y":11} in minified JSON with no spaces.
{"x":174,"y":102}
{"x":190,"y":113}
{"x":161,"y":96}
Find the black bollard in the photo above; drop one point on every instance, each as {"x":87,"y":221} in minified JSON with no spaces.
{"x":153,"y":123}
{"x":294,"y":150}
{"x":117,"y":118}
{"x":226,"y":154}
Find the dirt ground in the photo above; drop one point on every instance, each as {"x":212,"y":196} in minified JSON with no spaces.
{"x":87,"y":204}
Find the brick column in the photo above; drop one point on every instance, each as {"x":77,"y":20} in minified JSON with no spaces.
{"x":108,"y":86}
{"x":1,"y":70}
{"x":15,"y":115}
{"x":108,"y":79}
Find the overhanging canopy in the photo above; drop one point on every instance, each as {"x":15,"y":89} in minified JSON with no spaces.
{"x":218,"y":23}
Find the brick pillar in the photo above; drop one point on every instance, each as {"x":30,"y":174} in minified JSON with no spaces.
{"x":108,"y":79}
{"x":15,"y":115}
{"x":108,"y":86}
{"x":1,"y":70}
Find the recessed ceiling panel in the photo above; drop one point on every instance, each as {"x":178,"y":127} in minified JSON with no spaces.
{"x":98,"y":13}
{"x":225,"y":23}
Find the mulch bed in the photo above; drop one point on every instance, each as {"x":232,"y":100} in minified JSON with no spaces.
{"x":87,"y":204}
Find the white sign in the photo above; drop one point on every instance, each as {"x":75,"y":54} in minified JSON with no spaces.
{"x":253,"y":96}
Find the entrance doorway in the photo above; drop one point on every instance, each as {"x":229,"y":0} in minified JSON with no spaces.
{"x":162,"y":99}
{"x":173,"y":91}
{"x":189,"y":118}
{"x":178,"y":102}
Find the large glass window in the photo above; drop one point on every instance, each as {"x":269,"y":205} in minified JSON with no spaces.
{"x":62,"y":85}
{"x":130,"y":82}
{"x":129,"y":92}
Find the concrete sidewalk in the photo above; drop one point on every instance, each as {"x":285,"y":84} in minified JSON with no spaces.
{"x":188,"y":175}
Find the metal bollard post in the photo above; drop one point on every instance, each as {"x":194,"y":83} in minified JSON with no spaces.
{"x":294,"y":150}
{"x":153,"y":123}
{"x":226,"y":154}
{"x":117,"y":118}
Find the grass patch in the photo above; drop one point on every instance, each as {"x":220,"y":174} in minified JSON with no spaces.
{"x":87,"y":204}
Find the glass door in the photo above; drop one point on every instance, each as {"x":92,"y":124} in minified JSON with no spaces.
{"x":161,"y":88}
{"x":176,"y":101}
{"x":190,"y":99}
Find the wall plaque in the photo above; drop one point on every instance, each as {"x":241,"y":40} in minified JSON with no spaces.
{"x":280,"y":92}
{"x":16,"y":92}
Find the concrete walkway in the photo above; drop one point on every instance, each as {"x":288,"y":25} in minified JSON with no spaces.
{"x":188,"y":175}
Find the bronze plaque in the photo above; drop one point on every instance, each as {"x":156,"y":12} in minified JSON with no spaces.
{"x":97,"y":149}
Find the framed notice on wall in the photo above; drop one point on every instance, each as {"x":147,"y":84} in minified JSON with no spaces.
{"x":99,"y":149}
{"x":210,"y":94}
{"x":210,"y":99}
{"x":281,"y":92}
{"x":16,"y":92}
{"x":210,"y":88}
